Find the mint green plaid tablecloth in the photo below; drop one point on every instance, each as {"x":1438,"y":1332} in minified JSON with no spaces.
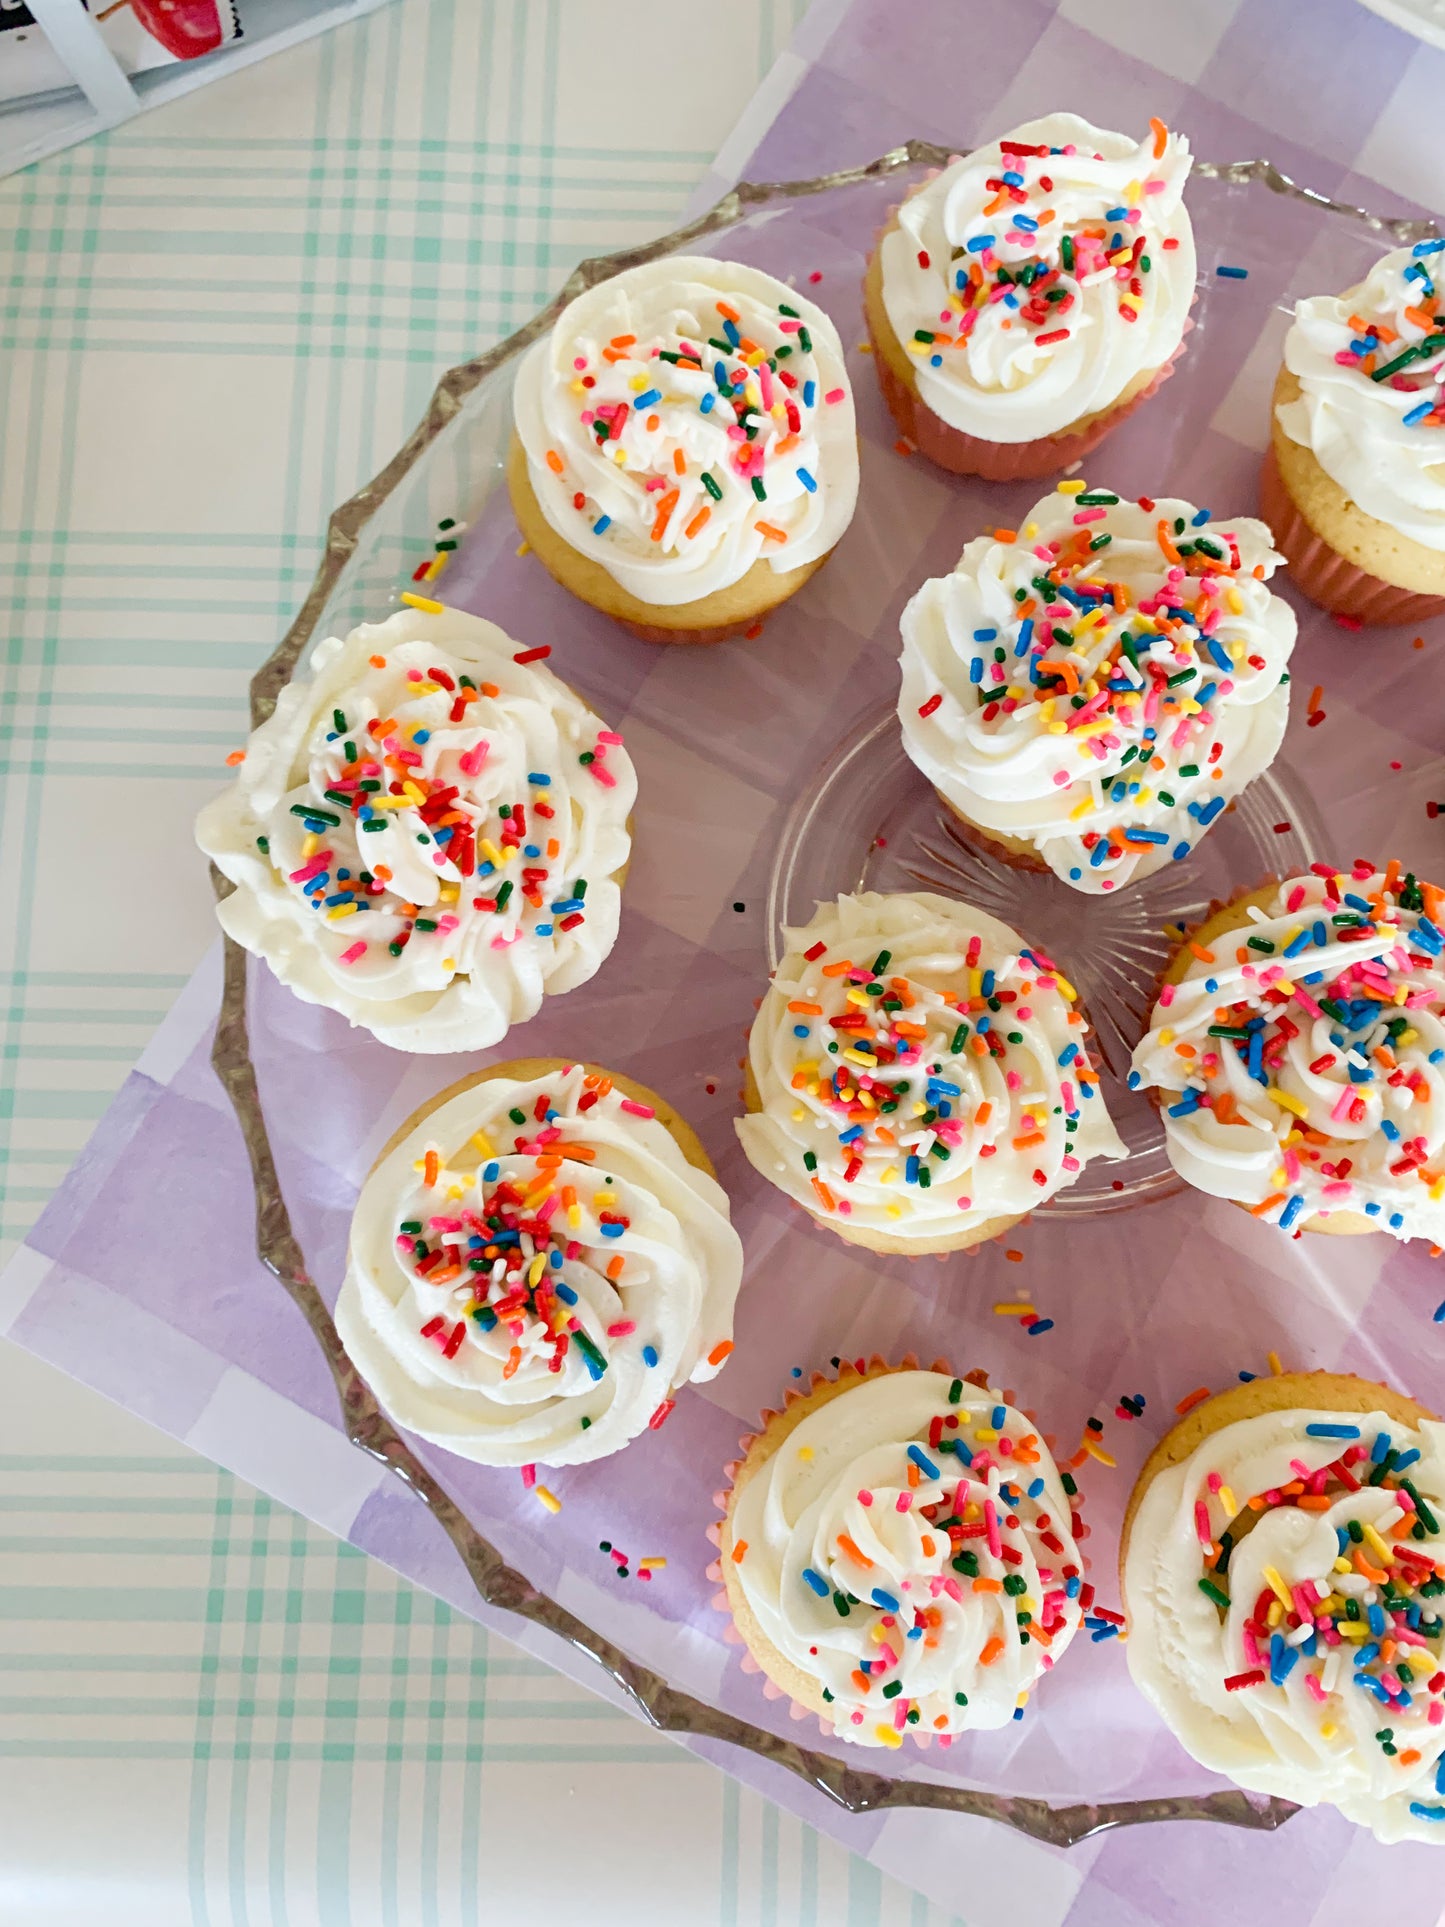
{"x":216,"y":323}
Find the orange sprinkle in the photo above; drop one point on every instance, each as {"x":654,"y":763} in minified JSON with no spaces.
{"x":740,"y":1551}
{"x":1014,"y":1257}
{"x":719,"y":1351}
{"x":806,"y":1010}
{"x":983,"y":1113}
{"x":236,"y":756}
{"x":1161,"y":136}
{"x":1409,"y":1756}
{"x":431,"y":1167}
{"x":1372,"y":1573}
{"x":514,"y":1359}
{"x":614,"y":1266}
{"x":664,"y":510}
{"x":771,"y":533}
{"x":623,"y":341}
{"x":1310,"y":1502}
{"x":852,"y":1550}
{"x":554,"y":461}
{"x":1204,"y":956}
{"x":679,"y":461}
{"x":699,"y":521}
{"x":1317,"y":696}
{"x":379,"y":662}
{"x":988,"y":1585}
{"x":727,"y":313}
{"x":1005,"y":535}
{"x":1030,"y":1137}
{"x":1166,"y":543}
{"x":829,"y":1202}
{"x":1195,"y":1398}
{"x":1267,"y":1204}
{"x":992,"y":1650}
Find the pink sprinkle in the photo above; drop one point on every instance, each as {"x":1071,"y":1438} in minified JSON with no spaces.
{"x":1314,"y":1689}
{"x":990,"y":1520}
{"x":1166,"y":996}
{"x":637,"y":1110}
{"x":312,"y":869}
{"x":622,"y":1328}
{"x":608,"y":736}
{"x":834,"y":395}
{"x":529,"y":1476}
{"x":357,"y":950}
{"x":865,"y":1498}
{"x":1295,"y":898}
{"x":471,"y":760}
{"x":904,"y":1502}
{"x":603,"y":776}
{"x":1090,"y":515}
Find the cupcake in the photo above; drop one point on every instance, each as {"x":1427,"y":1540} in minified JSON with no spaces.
{"x":429,"y":834}
{"x":685,"y":454}
{"x":1298,"y":1050}
{"x":1283,"y":1568}
{"x":1087,"y":694}
{"x":897,"y":1554}
{"x":918,"y":1079}
{"x":1354,"y":480}
{"x":539,"y":1259}
{"x":1025,"y":300}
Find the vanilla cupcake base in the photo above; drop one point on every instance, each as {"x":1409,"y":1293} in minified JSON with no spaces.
{"x":718,"y":617}
{"x":1348,"y":562}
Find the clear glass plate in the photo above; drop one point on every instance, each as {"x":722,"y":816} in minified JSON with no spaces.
{"x":884,"y":830}
{"x":869,"y":821}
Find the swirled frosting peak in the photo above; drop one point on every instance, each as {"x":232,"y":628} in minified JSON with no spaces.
{"x":1100,"y":682}
{"x":1304,"y":1054}
{"x":1284,"y":1587}
{"x":1035,"y":279}
{"x":921,"y":1072}
{"x":909,"y":1546}
{"x":1371,"y":369}
{"x":535,"y":1269}
{"x":427,"y":833}
{"x":686,"y":420}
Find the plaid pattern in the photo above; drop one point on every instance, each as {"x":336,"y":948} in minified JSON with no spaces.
{"x":255,"y":1721}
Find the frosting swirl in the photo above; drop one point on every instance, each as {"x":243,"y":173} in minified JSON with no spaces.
{"x":1285,"y":1611}
{"x":535,"y":1269}
{"x":1371,"y":409}
{"x":1035,"y":279}
{"x":427,"y":834}
{"x":687,"y":419}
{"x":1304,"y":1054}
{"x":922,"y":1072}
{"x":910,"y":1547}
{"x":1101,"y":683}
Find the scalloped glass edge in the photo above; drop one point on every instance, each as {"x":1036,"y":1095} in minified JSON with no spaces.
{"x":498,"y":1584}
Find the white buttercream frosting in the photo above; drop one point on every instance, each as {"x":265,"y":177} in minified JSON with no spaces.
{"x":909,"y":1546}
{"x":1311,"y":1668}
{"x":536,"y":1291}
{"x":687,"y":419}
{"x":1371,"y":407}
{"x":1102,"y":683}
{"x":499,"y":804}
{"x":1304,"y":1055}
{"x":922,"y":1071}
{"x":1032,"y":287}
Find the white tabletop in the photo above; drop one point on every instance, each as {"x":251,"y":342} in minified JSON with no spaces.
{"x":220,"y":320}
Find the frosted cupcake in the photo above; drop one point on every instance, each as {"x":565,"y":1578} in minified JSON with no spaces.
{"x":897,"y":1554}
{"x":540,"y":1258}
{"x":685,"y":455}
{"x":429,"y":835}
{"x":918,"y":1079}
{"x":1087,"y":694}
{"x":1025,"y":300}
{"x":1354,"y":480}
{"x":1298,"y":1050}
{"x":1283,"y":1568}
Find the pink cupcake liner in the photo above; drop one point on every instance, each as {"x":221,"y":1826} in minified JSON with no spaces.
{"x":963,"y":454}
{"x":1324,"y":575}
{"x":718,"y":1601}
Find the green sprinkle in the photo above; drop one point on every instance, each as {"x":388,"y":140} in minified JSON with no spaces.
{"x":758,"y":489}
{"x":955,"y":1391}
{"x":1211,"y":1591}
{"x":309,"y":812}
{"x":504,"y":893}
{"x":711,"y":486}
{"x":517,"y":1117}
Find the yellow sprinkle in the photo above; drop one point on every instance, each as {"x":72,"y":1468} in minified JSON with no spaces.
{"x":1274,"y":1364}
{"x":1166,"y":1036}
{"x":1275,"y":1613}
{"x":895,"y":1210}
{"x":889,"y":1735}
{"x":424,"y":603}
{"x":1342,"y":1565}
{"x":655,"y":1564}
{"x":1280,"y":1589}
{"x":1287,"y":1102}
{"x":310,"y":845}
{"x":549,"y":1499}
{"x":1353,"y":1629}
{"x":799,"y":1113}
{"x":858,"y":997}
{"x":1075,"y":487}
{"x":1328,"y":1730}
{"x":1070,"y":994}
{"x":805,"y":1452}
{"x":1386,"y":1553}
{"x":1010,"y":1310}
{"x":523,"y":548}
{"x":341,"y":910}
{"x":490,"y":851}
{"x":863,"y":1057}
{"x":483,"y":1143}
{"x":889,"y":1174}
{"x":1098,"y":1452}
{"x":1226,"y":1499}
{"x":536,"y":1268}
{"x":449,"y":963}
{"x":1079,"y":809}
{"x":986,"y":1433}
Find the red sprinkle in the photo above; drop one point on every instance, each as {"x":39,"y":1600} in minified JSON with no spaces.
{"x":534,"y":655}
{"x":927,"y":709}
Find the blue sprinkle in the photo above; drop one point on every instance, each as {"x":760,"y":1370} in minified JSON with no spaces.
{"x":1110,"y":214}
{"x":647,"y":399}
{"x":883,"y":1599}
{"x":817,"y":1582}
{"x":1014,"y":179}
{"x":1106,"y":1631}
{"x":1232,"y":274}
{"x":1427,"y":247}
{"x":1200,"y":518}
{"x":730,"y":329}
{"x":649,"y":1355}
{"x":925,"y":1464}
{"x":1381,"y":1447}
{"x":1099,"y":852}
{"x":421,"y":736}
{"x":1391,"y":1129}
{"x":1332,"y":1431}
{"x":1418,"y":414}
{"x":1424,"y":1812}
{"x":707,"y":404}
{"x":800,"y":1030}
{"x":1039,"y":1327}
{"x":806,"y":479}
{"x":848,"y":1136}
{"x":1068,"y":1054}
{"x":1072,"y":1586}
{"x":1036,"y":1490}
{"x":1187,"y":1105}
{"x":1219,"y":654}
{"x":1439,"y":1315}
{"x":491,"y":1174}
{"x":985,"y":635}
{"x":565,"y":1293}
{"x":602,"y":525}
{"x":1291,"y":1212}
{"x":981,"y":243}
{"x":1179,"y":852}
{"x":1396,"y":1220}
{"x":1134,"y":1080}
{"x":542,"y":929}
{"x":997,"y":1417}
{"x":975,"y":670}
{"x":810,"y":393}
{"x":611,"y":1230}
